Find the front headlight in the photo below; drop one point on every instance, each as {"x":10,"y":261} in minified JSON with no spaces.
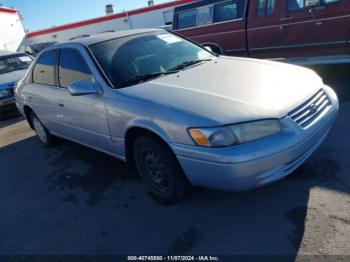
{"x":234,"y":134}
{"x":3,"y":93}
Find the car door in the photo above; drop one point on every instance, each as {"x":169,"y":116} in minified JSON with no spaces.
{"x":83,"y":117}
{"x":320,"y":30}
{"x":264,"y":31}
{"x":41,"y":92}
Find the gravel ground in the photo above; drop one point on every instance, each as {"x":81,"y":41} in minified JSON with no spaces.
{"x":72,"y":200}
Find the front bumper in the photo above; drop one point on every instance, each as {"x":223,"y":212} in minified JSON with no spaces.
{"x":256,"y":163}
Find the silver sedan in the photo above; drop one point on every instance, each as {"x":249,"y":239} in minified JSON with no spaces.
{"x":178,"y":113}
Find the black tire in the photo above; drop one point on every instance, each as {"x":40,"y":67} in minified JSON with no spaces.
{"x":2,"y":116}
{"x":159,"y":167}
{"x":41,"y":131}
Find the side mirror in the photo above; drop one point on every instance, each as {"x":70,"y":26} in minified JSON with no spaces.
{"x":312,"y":3}
{"x":82,"y":88}
{"x":209,"y":48}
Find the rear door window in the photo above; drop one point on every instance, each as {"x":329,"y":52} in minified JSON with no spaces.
{"x":187,"y":19}
{"x":72,"y":68}
{"x":45,"y":69}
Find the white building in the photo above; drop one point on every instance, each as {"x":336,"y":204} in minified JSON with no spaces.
{"x":11,"y":29}
{"x":147,"y":17}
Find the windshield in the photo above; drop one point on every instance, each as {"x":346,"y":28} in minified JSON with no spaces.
{"x":132,"y":57}
{"x":37,"y":48}
{"x":12,"y":63}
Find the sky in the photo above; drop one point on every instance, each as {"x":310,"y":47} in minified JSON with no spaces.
{"x":41,"y":14}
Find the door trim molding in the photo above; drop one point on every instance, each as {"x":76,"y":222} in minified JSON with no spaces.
{"x":301,"y":45}
{"x":295,"y":23}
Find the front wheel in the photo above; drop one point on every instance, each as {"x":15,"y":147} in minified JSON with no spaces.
{"x":161,"y":170}
{"x":42,"y":133}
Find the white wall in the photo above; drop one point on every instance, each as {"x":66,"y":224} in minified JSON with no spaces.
{"x":65,"y":35}
{"x":144,"y":20}
{"x":149,"y":19}
{"x":11,"y":31}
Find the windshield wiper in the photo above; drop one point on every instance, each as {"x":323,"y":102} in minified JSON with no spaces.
{"x":189,"y":63}
{"x":142,"y":78}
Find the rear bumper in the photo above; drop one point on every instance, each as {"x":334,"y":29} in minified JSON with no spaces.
{"x":256,"y":163}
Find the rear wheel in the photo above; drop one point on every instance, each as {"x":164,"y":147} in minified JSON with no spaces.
{"x":42,"y":133}
{"x":161,"y":170}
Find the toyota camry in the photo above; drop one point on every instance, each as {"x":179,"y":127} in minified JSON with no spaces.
{"x":179,"y":114}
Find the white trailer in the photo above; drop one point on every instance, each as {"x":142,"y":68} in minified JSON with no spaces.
{"x":11,"y":29}
{"x":147,"y":17}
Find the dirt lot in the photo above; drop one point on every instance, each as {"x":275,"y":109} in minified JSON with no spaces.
{"x":73,"y":200}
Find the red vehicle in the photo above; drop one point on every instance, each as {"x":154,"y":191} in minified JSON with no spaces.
{"x":309,"y":30}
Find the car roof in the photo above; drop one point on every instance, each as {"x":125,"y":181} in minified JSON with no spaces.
{"x":94,"y":39}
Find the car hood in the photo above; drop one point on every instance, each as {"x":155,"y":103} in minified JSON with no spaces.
{"x":10,"y":78}
{"x":229,"y":90}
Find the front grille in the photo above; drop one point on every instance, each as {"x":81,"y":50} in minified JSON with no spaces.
{"x":308,"y":112}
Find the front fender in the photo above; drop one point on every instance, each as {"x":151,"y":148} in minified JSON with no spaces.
{"x":139,"y":123}
{"x":125,"y":112}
